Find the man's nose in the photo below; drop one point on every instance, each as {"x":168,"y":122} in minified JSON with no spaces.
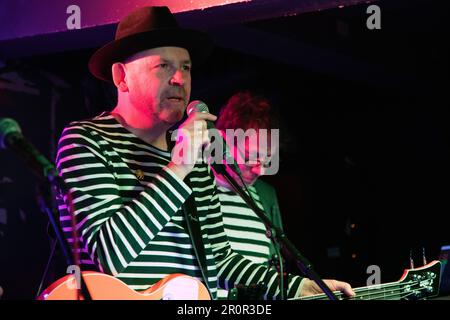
{"x":178,"y":78}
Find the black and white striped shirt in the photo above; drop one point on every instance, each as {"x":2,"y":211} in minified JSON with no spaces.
{"x":245,"y":230}
{"x":126,"y":203}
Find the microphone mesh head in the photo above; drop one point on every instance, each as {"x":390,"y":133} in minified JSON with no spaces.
{"x":7,"y":126}
{"x":197,"y":106}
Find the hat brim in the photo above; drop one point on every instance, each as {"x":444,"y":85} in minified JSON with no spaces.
{"x":198,"y":44}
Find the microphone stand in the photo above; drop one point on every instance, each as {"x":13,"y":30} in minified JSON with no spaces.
{"x":57,"y":185}
{"x":278,"y":236}
{"x":12,"y":138}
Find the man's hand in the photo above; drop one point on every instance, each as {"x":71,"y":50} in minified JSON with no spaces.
{"x":311,"y":288}
{"x":192,"y":136}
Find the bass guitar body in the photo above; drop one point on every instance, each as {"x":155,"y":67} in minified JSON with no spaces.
{"x":105,"y":287}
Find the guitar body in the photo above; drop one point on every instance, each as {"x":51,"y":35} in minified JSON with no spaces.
{"x":105,"y":287}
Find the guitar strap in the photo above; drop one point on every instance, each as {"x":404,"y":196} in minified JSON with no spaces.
{"x":193,"y":225}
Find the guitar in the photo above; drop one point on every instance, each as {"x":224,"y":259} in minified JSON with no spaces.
{"x":105,"y":287}
{"x":414,"y":284}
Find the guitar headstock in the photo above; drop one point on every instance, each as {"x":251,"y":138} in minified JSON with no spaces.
{"x":421,"y":283}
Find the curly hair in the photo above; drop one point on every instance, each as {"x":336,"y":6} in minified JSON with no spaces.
{"x":245,"y":110}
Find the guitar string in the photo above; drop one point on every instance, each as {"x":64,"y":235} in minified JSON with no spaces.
{"x":386,"y":287}
{"x":366,"y":289}
{"x":340,"y":294}
{"x":400,"y":295}
{"x":392,"y":291}
{"x":378,"y":296}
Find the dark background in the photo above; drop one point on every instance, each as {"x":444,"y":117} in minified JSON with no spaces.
{"x":364,"y":178}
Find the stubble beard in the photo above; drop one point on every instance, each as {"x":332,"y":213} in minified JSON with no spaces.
{"x":171,"y":115}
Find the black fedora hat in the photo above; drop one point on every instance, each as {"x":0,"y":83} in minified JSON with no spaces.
{"x":147,"y":28}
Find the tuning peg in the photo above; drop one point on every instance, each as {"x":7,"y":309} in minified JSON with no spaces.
{"x":411,"y":260}
{"x":424,"y":258}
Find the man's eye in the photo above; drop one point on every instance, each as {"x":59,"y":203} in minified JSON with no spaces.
{"x":187,"y":68}
{"x":164,"y":65}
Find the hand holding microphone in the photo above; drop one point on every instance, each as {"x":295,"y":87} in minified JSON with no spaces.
{"x":192,"y":136}
{"x":198,"y":106}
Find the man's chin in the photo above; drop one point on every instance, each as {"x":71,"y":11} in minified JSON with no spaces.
{"x":173,"y":117}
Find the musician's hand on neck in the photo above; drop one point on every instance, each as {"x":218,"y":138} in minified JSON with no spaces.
{"x":311,"y":288}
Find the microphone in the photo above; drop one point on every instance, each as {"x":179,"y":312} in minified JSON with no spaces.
{"x":11,"y":137}
{"x":200,"y":106}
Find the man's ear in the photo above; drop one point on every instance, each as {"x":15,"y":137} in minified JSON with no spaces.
{"x":118,"y":70}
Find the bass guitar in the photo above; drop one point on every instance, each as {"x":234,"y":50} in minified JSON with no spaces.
{"x":415,"y":284}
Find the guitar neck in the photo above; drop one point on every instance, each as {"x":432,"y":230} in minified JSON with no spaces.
{"x":386,"y":291}
{"x":419,"y":283}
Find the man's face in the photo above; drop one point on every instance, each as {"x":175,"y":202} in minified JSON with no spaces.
{"x":252,"y":159}
{"x":159,"y":83}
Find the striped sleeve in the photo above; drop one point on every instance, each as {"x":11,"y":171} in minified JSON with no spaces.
{"x":112,"y":231}
{"x":234,"y":268}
